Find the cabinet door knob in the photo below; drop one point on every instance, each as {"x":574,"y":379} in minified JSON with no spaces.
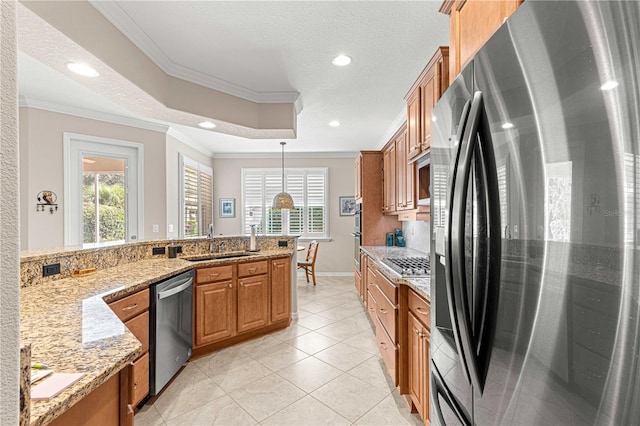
{"x":383,"y":345}
{"x":230,"y":285}
{"x":241,"y":284}
{"x":384,"y":311}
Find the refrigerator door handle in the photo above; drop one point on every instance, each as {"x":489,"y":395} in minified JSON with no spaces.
{"x":477,"y":343}
{"x":440,"y":390}
{"x":451,"y":244}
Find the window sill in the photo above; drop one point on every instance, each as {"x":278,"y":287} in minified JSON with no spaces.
{"x":320,"y":240}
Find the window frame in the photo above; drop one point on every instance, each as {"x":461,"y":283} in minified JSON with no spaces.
{"x":201,"y":168}
{"x":286,"y":223}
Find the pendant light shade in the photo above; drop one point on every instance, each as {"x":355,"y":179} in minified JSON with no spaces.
{"x":283,"y":200}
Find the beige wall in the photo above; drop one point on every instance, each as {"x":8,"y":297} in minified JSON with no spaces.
{"x":335,"y":256}
{"x":41,"y":168}
{"x":9,"y":272}
{"x":174,"y":205}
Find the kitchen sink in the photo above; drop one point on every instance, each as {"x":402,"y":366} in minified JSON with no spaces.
{"x":216,"y":256}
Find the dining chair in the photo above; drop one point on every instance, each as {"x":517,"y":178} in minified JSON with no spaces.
{"x":309,"y":264}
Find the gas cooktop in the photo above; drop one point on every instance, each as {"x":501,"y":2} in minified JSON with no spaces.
{"x":409,"y":267}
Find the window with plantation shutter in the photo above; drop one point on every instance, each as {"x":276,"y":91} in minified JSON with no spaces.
{"x":307,"y":187}
{"x":197,"y":197}
{"x":631,"y":191}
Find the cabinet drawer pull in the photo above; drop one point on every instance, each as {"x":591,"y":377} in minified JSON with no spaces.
{"x":594,"y":299}
{"x":128,"y":308}
{"x":384,"y":311}
{"x":214,"y":275}
{"x":252,"y":270}
{"x":422,"y":311}
{"x":383,"y":345}
{"x":241,"y":284}
{"x":597,"y":333}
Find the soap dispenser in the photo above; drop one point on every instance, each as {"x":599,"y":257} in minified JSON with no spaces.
{"x":253,"y":246}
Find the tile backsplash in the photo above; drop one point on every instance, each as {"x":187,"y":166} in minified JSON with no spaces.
{"x":417,"y":235}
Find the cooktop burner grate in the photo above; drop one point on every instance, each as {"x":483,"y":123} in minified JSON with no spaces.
{"x":409,"y":266}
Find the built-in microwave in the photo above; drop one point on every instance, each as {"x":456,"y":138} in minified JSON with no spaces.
{"x":424,"y":180}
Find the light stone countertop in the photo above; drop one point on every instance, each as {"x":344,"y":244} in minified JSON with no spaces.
{"x":72,"y":329}
{"x":422,"y":286}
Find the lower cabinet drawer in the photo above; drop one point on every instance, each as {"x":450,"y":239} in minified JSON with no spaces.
{"x":253,"y":268}
{"x":371,"y":306}
{"x":387,"y":313}
{"x":130,"y":306}
{"x":139,"y":379}
{"x":420,"y":308}
{"x":388,"y":351}
{"x":139,"y":326}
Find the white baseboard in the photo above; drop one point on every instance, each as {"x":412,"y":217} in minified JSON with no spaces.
{"x":330,"y":274}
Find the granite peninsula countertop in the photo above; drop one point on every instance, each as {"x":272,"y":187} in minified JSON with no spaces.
{"x":72,"y":329}
{"x":422,"y":286}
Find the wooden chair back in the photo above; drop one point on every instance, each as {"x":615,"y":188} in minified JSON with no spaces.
{"x":312,"y":252}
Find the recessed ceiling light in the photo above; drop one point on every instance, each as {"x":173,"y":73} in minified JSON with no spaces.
{"x":334,"y":123}
{"x":507,"y":126}
{"x":207,"y":125}
{"x":82,"y":69}
{"x":341,"y":60}
{"x":609,"y":85}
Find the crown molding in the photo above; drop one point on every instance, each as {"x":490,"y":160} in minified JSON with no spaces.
{"x":24,"y":102}
{"x":202,"y":148}
{"x":114,"y":13}
{"x":392,"y":129}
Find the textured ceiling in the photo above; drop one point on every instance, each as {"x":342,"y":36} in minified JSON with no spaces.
{"x":270,"y":51}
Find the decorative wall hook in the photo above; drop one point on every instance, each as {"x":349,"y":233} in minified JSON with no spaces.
{"x":47,"y":199}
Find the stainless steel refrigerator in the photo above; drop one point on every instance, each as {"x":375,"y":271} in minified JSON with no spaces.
{"x":536,"y":223}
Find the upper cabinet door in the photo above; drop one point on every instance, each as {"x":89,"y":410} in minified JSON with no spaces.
{"x":472,"y":22}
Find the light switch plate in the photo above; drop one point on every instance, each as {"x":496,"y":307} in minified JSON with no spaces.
{"x":156,"y":228}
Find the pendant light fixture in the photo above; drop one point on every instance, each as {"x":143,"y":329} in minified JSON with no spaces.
{"x":283,"y":200}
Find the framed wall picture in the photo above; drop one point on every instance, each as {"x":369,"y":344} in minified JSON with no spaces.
{"x":347,"y":206}
{"x":227,"y":207}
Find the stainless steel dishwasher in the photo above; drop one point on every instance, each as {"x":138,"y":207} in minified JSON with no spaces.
{"x":170,"y":329}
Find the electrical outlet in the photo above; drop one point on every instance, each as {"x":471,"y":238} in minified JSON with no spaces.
{"x":156,"y":228}
{"x":179,"y":249}
{"x":158,"y":250}
{"x":283,"y":243}
{"x":52,"y":269}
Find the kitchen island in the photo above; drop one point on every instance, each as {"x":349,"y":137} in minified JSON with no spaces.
{"x":71,"y":328}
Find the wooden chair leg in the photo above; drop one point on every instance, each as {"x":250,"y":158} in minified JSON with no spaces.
{"x":306,"y":272}
{"x":313,"y":273}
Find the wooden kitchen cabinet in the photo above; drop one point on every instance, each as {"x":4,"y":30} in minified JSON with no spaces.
{"x":418,"y":365}
{"x":383,"y":309}
{"x":215,"y":313}
{"x":357,"y":166}
{"x":253,"y":295}
{"x":253,"y":299}
{"x":421,"y":98}
{"x":280,"y":289}
{"x":417,"y":356}
{"x":239,"y":301}
{"x":405,"y":173}
{"x":471,"y":23}
{"x":389,"y":172}
{"x":133,"y":310}
{"x":370,"y":183}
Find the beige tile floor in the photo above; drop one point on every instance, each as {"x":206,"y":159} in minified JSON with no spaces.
{"x":323,"y":370}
